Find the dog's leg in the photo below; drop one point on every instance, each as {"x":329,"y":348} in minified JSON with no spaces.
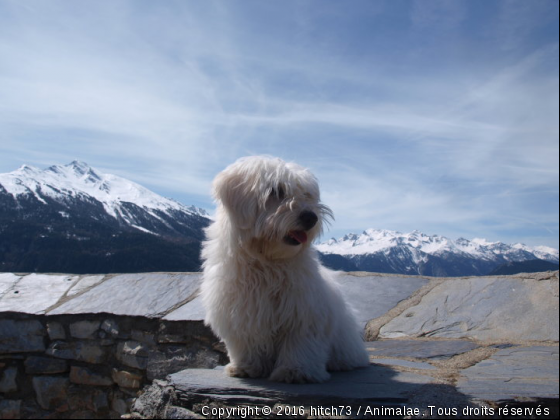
{"x":348,"y":353}
{"x":302,"y":359}
{"x":246,"y":360}
{"x":347,"y":348}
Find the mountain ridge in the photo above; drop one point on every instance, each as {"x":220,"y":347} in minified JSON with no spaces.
{"x":416,"y":253}
{"x":76,"y":219}
{"x":79,"y":180}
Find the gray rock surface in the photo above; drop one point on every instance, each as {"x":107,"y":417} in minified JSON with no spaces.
{"x":191,"y":311}
{"x":45,"y":365}
{"x":126,"y":379}
{"x":133,"y":354}
{"x":373,"y":295}
{"x":513,"y":374}
{"x":84,"y":329}
{"x":149,"y":294}
{"x":84,"y":376}
{"x":464,"y":348}
{"x":35,"y":293}
{"x":52,"y":392}
{"x":420,"y":349}
{"x":21,"y":336}
{"x":178,"y":357}
{"x":522,"y":377}
{"x":374,"y":383}
{"x":80,"y":351}
{"x":171,"y":296}
{"x":404,"y":363}
{"x":10,"y":409}
{"x":7,"y":281}
{"x":85,"y":283}
{"x":56,"y":331}
{"x":8,"y":380}
{"x":481,"y":308}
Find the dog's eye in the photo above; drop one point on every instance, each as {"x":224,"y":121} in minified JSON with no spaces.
{"x":278,"y":193}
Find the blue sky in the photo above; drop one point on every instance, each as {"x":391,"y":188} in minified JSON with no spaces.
{"x":434,"y":115}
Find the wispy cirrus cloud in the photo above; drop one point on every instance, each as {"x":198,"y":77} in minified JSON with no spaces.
{"x":435,"y":115}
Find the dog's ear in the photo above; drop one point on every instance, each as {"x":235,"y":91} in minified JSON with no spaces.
{"x":233,"y":192}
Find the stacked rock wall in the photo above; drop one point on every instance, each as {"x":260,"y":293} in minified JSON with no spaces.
{"x":83,"y":346}
{"x":92,"y":365}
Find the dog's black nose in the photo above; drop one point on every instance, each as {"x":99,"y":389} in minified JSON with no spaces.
{"x":308,"y":219}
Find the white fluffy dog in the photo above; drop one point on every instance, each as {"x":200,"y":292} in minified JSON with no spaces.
{"x":278,"y":311}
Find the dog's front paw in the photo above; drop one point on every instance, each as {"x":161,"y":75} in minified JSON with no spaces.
{"x":232,"y":369}
{"x":238,"y":371}
{"x":298,"y":375}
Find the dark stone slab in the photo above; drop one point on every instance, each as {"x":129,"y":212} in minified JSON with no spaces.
{"x":420,"y":349}
{"x":81,"y":351}
{"x":10,"y":409}
{"x":404,"y":363}
{"x":52,"y":393}
{"x":173,"y":358}
{"x":45,"y":365}
{"x":21,"y":336}
{"x":85,"y":376}
{"x":133,"y":354}
{"x":519,"y":373}
{"x":521,"y":377}
{"x":8,"y":380}
{"x":374,"y":383}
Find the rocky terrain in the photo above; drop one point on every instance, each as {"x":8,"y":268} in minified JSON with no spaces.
{"x":102,"y":346}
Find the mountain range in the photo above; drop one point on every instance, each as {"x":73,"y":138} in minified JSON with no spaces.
{"x":73,"y":218}
{"x":415,"y":253}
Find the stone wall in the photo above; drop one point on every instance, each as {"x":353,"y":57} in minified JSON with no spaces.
{"x":92,"y":365}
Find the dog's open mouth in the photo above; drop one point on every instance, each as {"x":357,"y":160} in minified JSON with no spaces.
{"x":295,"y":237}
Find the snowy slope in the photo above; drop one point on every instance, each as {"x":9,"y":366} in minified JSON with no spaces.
{"x":75,"y":219}
{"x":78,"y":181}
{"x":77,"y":178}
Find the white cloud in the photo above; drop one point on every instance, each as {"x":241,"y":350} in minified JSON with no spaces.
{"x":401,"y":132}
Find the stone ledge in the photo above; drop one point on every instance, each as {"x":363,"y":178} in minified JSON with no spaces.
{"x":501,"y":308}
{"x":524,"y":378}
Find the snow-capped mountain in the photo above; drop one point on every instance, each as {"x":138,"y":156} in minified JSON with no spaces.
{"x":79,"y":182}
{"x":417,"y":253}
{"x":74,"y":218}
{"x":84,"y":206}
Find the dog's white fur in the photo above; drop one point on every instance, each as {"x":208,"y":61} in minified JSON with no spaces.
{"x":278,"y":311}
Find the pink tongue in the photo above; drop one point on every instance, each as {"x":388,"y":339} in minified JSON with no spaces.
{"x":299,"y":235}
